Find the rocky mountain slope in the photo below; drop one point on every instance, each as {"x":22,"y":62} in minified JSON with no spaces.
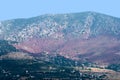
{"x":74,"y":40}
{"x":72,"y":35}
{"x":81,"y":25}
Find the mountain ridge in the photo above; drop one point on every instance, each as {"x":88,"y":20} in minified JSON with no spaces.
{"x":50,"y":14}
{"x":56,"y":26}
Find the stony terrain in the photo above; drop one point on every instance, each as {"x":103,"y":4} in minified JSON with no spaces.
{"x":78,"y":45}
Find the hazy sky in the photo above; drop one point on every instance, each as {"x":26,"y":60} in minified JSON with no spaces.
{"x":10,"y":9}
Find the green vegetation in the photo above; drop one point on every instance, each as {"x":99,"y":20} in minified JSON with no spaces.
{"x":6,"y":47}
{"x":40,"y":70}
{"x":115,"y":67}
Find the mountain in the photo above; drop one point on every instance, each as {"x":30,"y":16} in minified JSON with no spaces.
{"x":64,"y":41}
{"x":77,"y":36}
{"x":82,"y":25}
{"x":88,"y":35}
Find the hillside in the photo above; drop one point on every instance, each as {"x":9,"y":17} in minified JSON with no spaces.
{"x":81,"y":25}
{"x":74,"y":43}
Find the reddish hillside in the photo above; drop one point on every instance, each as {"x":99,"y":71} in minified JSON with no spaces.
{"x":40,"y":45}
{"x":100,"y":49}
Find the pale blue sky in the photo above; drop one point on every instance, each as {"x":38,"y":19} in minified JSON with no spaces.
{"x":10,"y":9}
